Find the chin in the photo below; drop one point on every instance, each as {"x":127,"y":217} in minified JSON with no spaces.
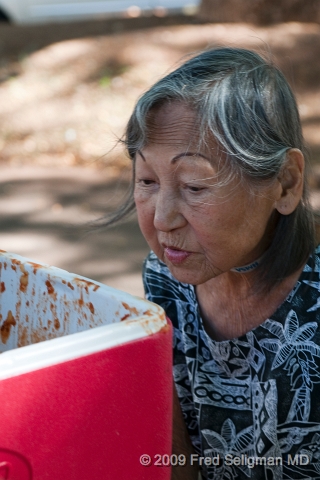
{"x":184,"y":275}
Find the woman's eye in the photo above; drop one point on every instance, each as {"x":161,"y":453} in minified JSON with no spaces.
{"x":194,"y":189}
{"x":145,"y":182}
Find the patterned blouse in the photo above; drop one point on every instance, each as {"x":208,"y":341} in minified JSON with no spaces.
{"x":251,"y":404}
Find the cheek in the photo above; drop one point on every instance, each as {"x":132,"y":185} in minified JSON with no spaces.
{"x":220,"y":228}
{"x":214,"y":223}
{"x":145,"y":218}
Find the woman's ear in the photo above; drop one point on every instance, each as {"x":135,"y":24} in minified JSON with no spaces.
{"x":291,"y":181}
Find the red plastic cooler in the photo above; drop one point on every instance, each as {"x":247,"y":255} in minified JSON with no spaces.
{"x":88,"y":395}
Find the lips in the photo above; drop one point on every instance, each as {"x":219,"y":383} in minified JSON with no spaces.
{"x":175,"y":255}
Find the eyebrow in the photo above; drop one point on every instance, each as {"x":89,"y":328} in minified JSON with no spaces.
{"x":189,"y":154}
{"x":180,"y":155}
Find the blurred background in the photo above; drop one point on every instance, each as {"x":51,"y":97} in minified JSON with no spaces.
{"x":70,"y":73}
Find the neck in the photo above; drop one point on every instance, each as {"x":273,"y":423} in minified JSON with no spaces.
{"x":248,"y":267}
{"x":237,"y":285}
{"x":230,"y":306}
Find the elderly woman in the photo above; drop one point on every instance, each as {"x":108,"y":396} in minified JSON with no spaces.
{"x":220,"y":191}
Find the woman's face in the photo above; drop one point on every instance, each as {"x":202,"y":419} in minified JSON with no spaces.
{"x":199,"y":229}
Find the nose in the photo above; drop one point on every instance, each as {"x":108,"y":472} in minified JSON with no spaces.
{"x":168,"y":215}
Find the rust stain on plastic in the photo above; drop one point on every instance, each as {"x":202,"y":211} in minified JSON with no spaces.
{"x":49,"y":287}
{"x":2,"y":287}
{"x":37,"y":337}
{"x":6,"y":327}
{"x":56,"y":321}
{"x":18,"y":308}
{"x":164,"y":329}
{"x":149,"y":324}
{"x":51,"y":290}
{"x":91,"y":307}
{"x":36,"y":266}
{"x":146,"y":324}
{"x":86,"y":284}
{"x":68,"y":283}
{"x":132,"y":310}
{"x":14,"y":263}
{"x":23,"y":336}
{"x":124,"y":317}
{"x":66,"y":320}
{"x":24,"y":279}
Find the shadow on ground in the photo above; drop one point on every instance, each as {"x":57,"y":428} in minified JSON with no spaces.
{"x":46,"y":217}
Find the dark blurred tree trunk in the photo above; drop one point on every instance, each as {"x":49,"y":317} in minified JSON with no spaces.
{"x":260,"y":11}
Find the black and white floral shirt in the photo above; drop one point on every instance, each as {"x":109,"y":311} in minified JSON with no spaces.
{"x":251,"y":404}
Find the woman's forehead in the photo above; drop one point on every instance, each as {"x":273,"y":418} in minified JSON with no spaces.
{"x":174,"y":124}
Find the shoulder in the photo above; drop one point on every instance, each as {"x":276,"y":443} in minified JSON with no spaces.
{"x":310,"y":295}
{"x":311,"y":274}
{"x":316,"y":259}
{"x":300,"y":312}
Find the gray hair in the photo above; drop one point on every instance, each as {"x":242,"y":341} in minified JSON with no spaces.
{"x":246,"y":104}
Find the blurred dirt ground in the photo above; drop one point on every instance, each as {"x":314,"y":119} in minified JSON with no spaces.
{"x":66,"y":92}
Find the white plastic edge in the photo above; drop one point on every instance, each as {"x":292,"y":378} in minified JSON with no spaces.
{"x":58,"y":350}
